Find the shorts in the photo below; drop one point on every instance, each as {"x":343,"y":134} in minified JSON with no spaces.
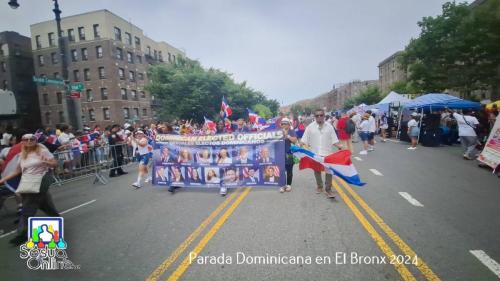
{"x":144,"y":159}
{"x":365,"y":136}
{"x":371,"y":136}
{"x":414,"y":132}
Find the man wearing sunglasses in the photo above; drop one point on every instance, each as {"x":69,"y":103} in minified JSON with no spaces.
{"x":320,"y":137}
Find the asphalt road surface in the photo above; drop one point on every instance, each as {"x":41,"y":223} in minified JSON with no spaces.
{"x":424,"y":215}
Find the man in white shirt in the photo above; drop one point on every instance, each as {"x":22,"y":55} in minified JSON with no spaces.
{"x":320,"y":137}
{"x":373,"y":129}
{"x":468,"y":138}
{"x":356,"y":118}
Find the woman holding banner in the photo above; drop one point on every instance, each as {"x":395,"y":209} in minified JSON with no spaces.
{"x":290,"y":137}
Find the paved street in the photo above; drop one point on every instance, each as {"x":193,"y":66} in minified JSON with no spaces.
{"x":427,"y":202}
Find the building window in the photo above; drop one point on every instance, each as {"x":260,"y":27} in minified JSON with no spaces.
{"x":136,"y":112}
{"x":130,"y":57}
{"x":84,"y":118}
{"x":71,"y":35}
{"x":124,"y":94}
{"x":61,"y":117}
{"x":149,"y":50}
{"x":131,"y":76}
{"x":76,"y":75}
{"x":56,"y":75}
{"x":81,"y":33}
{"x":86,"y":74}
{"x":97,"y":34}
{"x":128,"y":38}
{"x":4,"y":66}
{"x":140,"y":76}
{"x":37,"y":42}
{"x":59,"y":97}
{"x":104,"y":93}
{"x":54,"y":58}
{"x":85,"y":54}
{"x":118,"y":34}
{"x":143,"y":94}
{"x":169,"y":57}
{"x":74,"y":55}
{"x":160,"y":56}
{"x":121,"y":73}
{"x":126,"y":113}
{"x":40,"y":60}
{"x":133,"y":93}
{"x":45,"y":98}
{"x":90,"y":95}
{"x":91,"y":115}
{"x":139,"y":59}
{"x":155,"y":54}
{"x":106,"y":113}
{"x":51,"y":39}
{"x":173,"y":58}
{"x":137,"y":42}
{"x":98,"y":51}
{"x":119,"y":53}
{"x":102,"y":74}
{"x":47,"y":117}
{"x":144,"y":112}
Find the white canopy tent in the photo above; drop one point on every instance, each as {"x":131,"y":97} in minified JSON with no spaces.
{"x":394,"y":98}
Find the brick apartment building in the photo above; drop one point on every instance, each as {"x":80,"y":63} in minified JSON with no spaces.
{"x":110,"y":56}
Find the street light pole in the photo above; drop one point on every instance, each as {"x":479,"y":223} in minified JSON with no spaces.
{"x":72,"y":107}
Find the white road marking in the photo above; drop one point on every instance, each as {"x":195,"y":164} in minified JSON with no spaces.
{"x":486,"y":260}
{"x":63,"y":212}
{"x":375,"y":172}
{"x":7,"y":234}
{"x":410,"y":199}
{"x":357,"y":158}
{"x":81,"y":205}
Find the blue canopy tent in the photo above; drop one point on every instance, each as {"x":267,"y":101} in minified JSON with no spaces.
{"x":435,"y":101}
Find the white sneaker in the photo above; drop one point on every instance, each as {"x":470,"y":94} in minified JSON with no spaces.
{"x":412,"y":148}
{"x":371,"y":149}
{"x":363,"y":152}
{"x":282,"y":189}
{"x":148,"y":179}
{"x":136,"y":185}
{"x":288,"y":188}
{"x":223,"y":191}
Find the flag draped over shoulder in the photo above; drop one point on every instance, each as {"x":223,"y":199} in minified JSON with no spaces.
{"x":338,"y":163}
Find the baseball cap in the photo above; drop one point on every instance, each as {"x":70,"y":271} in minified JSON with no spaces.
{"x":285,"y":120}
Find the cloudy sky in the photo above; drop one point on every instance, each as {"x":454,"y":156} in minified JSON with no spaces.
{"x":290,"y":50}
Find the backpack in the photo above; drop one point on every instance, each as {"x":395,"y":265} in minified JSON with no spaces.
{"x":350,"y":127}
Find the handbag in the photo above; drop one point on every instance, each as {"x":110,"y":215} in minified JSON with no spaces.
{"x":30,"y":184}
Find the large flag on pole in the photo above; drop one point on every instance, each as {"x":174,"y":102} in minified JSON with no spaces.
{"x":209,"y":123}
{"x":338,"y":163}
{"x":225,"y":109}
{"x":254,"y":118}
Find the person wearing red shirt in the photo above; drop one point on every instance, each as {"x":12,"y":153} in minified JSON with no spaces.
{"x":344,"y":137}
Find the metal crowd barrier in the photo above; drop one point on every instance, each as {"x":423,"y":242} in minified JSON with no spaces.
{"x":75,"y":164}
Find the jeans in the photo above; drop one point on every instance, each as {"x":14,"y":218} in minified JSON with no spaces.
{"x":289,"y":173}
{"x":469,"y":143}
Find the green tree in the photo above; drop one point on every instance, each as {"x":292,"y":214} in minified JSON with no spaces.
{"x":187,"y":90}
{"x":263,"y":111}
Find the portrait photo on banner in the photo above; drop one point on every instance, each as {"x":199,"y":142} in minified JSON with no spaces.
{"x":230,"y":176}
{"x":185,"y":156}
{"x":223,"y":156}
{"x":165,"y":154}
{"x":271,"y":174}
{"x":266,"y":154}
{"x":250,"y":175}
{"x":244,"y":155}
{"x":161,"y":175}
{"x":194,"y":175}
{"x":212,"y":176}
{"x":177,"y":174}
{"x":204,"y":155}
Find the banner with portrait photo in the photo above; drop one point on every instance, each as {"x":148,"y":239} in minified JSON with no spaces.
{"x":491,"y":152}
{"x":225,"y":160}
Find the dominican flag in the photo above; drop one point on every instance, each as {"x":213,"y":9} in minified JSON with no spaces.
{"x":209,"y":123}
{"x":10,"y":165}
{"x":226,"y":111}
{"x":52,"y":139}
{"x":254,"y":118}
{"x":338,"y":163}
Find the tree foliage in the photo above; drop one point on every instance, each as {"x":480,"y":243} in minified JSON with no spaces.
{"x":370,"y":95}
{"x":187,"y":90}
{"x":263,"y":111}
{"x":457,"y":50}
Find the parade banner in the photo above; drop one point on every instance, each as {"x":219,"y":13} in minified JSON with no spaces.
{"x":224,"y":160}
{"x":491,"y":152}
